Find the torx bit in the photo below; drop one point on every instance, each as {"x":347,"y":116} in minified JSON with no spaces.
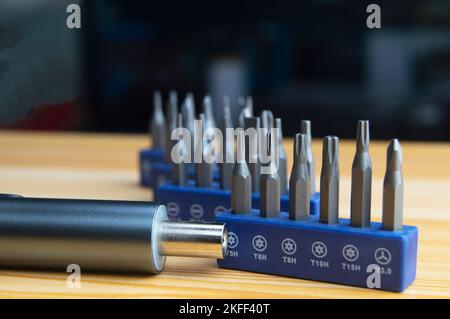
{"x":329,"y":181}
{"x":252,"y":150}
{"x":226,"y":168}
{"x":172,"y":112}
{"x":209,"y":113}
{"x":179,"y":167}
{"x":241,"y":181}
{"x":299,"y":183}
{"x":393,"y":188}
{"x":361,"y":179}
{"x":282,"y":159}
{"x":203,"y":170}
{"x":269,"y":204}
{"x":305,"y":128}
{"x":158,"y":122}
{"x":267,"y":119}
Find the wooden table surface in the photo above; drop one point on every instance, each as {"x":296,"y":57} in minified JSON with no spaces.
{"x":105,"y":166}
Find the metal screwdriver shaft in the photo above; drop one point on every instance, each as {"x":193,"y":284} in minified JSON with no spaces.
{"x":329,"y":181}
{"x":241,"y":181}
{"x":393,"y":188}
{"x":203,"y":170}
{"x":361,"y":178}
{"x":299,"y":183}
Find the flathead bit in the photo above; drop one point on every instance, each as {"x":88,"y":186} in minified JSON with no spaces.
{"x":393,"y":188}
{"x":299,"y":183}
{"x":252,"y":151}
{"x":329,"y":181}
{"x":267,"y":119}
{"x":179,"y":167}
{"x":158,"y":122}
{"x":269,"y":204}
{"x":172,"y":112}
{"x":282,"y":160}
{"x":241,"y":181}
{"x":305,"y":128}
{"x":226,"y":168}
{"x":361,"y":190}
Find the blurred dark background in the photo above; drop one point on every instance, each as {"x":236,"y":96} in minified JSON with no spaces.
{"x":312,"y":60}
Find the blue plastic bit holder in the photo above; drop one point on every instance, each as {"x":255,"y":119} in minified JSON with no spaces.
{"x":203,"y":204}
{"x":363,"y":257}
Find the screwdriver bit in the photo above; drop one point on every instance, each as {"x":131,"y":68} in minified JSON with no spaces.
{"x":158,"y":122}
{"x":266,"y":119}
{"x":329,"y":181}
{"x":305,"y":128}
{"x":203,"y":170}
{"x":209,"y":113}
{"x":226,"y":168}
{"x":282,"y":160}
{"x":299,"y":183}
{"x":179,"y":170}
{"x":361,"y":188}
{"x":188,"y":111}
{"x":270,"y":187}
{"x":393,"y":188}
{"x":172,"y":112}
{"x":252,"y":152}
{"x":241,"y":182}
{"x":247,"y":109}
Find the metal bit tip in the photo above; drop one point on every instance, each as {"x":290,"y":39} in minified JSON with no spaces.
{"x":393,"y":188}
{"x":329,"y":181}
{"x":299,"y":183}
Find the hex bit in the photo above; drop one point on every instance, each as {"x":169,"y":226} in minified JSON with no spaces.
{"x":158,"y":122}
{"x":203,"y":170}
{"x":252,"y":150}
{"x":226,"y":168}
{"x":267,"y":119}
{"x":179,"y":167}
{"x":270,"y":186}
{"x":329,"y":181}
{"x":299,"y":183}
{"x":393,"y":188}
{"x":209,"y":113}
{"x":305,"y":128}
{"x":241,"y":180}
{"x":172,"y":112}
{"x":188,"y":111}
{"x":361,"y":188}
{"x":282,"y":159}
{"x":247,"y":109}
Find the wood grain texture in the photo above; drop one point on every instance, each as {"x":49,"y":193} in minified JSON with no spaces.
{"x":105,"y":166}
